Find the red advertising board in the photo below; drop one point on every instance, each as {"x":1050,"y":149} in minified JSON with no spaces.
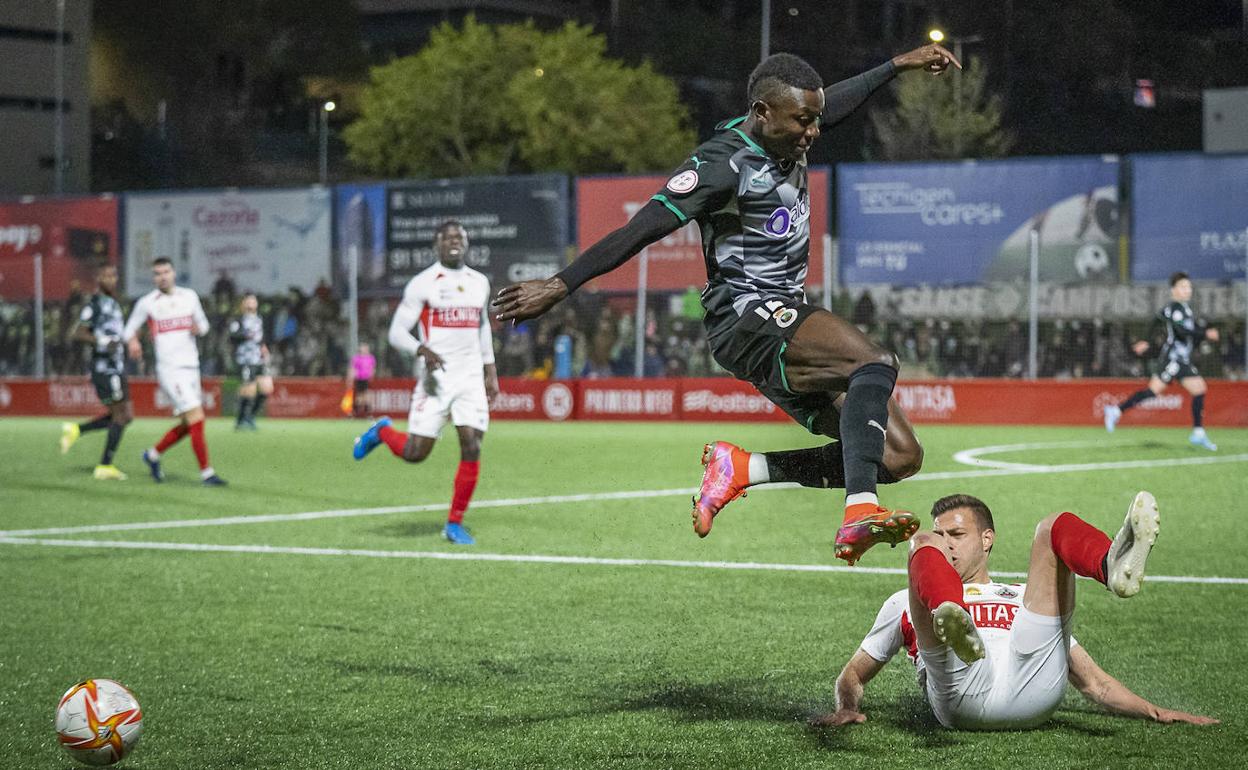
{"x":717,"y":399}
{"x":71,"y":235}
{"x":674,"y":263}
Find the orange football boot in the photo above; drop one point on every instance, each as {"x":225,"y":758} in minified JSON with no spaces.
{"x":866,"y":525}
{"x":726,"y":476}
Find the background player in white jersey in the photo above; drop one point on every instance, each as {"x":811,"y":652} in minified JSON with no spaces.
{"x":174,"y":317}
{"x":100,"y":324}
{"x":993,"y":655}
{"x":455,"y":373}
{"x":252,"y":357}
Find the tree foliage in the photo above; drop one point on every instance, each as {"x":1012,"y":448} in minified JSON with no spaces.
{"x":484,"y":99}
{"x":951,"y":116}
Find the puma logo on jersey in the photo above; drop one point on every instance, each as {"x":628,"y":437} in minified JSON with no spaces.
{"x":877,"y":426}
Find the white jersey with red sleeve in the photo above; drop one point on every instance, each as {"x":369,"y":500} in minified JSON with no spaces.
{"x":173,"y":320}
{"x":993,"y":607}
{"x":448,"y":309}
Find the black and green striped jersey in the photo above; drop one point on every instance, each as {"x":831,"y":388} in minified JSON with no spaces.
{"x":103,"y":316}
{"x":754,"y":214}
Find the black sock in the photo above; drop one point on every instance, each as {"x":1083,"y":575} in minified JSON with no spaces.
{"x":99,"y":423}
{"x":864,"y":419}
{"x":822,"y":467}
{"x":1198,"y":411}
{"x":244,"y":407}
{"x":257,"y":405}
{"x":1135,"y":398}
{"x":110,"y":446}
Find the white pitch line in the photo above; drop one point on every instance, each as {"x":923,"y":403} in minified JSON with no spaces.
{"x":530,"y":558}
{"x":593,"y":497}
{"x":972,"y":456}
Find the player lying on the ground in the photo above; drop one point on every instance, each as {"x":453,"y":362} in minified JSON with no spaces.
{"x":1183,"y":331}
{"x":456,"y":378}
{"x":747,"y":189}
{"x":994,"y":655}
{"x":100,"y":324}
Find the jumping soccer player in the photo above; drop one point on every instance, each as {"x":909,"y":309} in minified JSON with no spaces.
{"x":455,"y":372}
{"x":997,"y":656}
{"x":252,"y":357}
{"x":1184,"y":331}
{"x":174,"y":317}
{"x":747,"y":189}
{"x":100,"y":324}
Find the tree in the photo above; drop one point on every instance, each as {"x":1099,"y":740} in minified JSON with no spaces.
{"x":485,"y":99}
{"x":953,"y":116}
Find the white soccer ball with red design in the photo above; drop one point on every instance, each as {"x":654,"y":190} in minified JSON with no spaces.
{"x":98,"y":721}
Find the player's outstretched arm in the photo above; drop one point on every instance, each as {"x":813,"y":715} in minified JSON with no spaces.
{"x":138,"y":317}
{"x":530,"y":299}
{"x":1112,"y":695}
{"x":860,"y":669}
{"x":841,"y":99}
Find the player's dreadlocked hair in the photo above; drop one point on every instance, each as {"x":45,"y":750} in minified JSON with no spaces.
{"x":781,"y":70}
{"x":983,"y":516}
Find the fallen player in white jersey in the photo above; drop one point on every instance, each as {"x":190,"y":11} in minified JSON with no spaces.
{"x":995,"y":656}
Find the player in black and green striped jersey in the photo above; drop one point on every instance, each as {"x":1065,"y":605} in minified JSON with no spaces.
{"x":746,"y":187}
{"x":100,"y":324}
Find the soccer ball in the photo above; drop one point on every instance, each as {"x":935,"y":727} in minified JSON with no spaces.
{"x":98,"y":721}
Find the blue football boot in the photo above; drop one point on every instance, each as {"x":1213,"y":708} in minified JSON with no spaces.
{"x":369,"y":439}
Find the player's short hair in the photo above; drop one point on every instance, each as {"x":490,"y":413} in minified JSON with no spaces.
{"x":1179,"y":276}
{"x":781,"y":70}
{"x":447,"y":225}
{"x":162,"y":261}
{"x":983,"y":516}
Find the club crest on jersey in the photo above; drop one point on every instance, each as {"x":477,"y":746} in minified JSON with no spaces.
{"x":783,"y":220}
{"x":683,"y":182}
{"x":1008,"y":593}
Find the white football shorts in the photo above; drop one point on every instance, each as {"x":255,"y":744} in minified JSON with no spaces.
{"x":181,"y":387}
{"x":1018,"y":689}
{"x":461,"y":401}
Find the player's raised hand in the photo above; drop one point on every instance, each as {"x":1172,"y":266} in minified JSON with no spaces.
{"x":528,"y":299}
{"x":933,"y":57}
{"x":1170,"y":716}
{"x":839,"y":718}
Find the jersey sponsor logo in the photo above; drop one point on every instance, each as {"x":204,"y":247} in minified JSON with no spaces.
{"x":993,"y":614}
{"x":784,"y":221}
{"x":683,"y":182}
{"x":456,"y":317}
{"x":176,"y":324}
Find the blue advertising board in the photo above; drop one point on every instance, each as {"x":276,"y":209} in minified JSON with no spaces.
{"x":969,"y":222}
{"x":1189,"y":213}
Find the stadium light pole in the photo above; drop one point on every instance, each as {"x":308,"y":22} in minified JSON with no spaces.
{"x":1033,"y":304}
{"x":39,"y":342}
{"x":937,"y":35}
{"x":326,"y":108}
{"x":639,"y":328}
{"x":764,"y":49}
{"x":58,"y":130}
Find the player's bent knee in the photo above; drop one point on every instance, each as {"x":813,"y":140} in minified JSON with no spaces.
{"x":1044,"y":530}
{"x":906,"y":461}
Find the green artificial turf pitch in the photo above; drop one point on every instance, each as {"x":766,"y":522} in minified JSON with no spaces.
{"x":363,"y":652}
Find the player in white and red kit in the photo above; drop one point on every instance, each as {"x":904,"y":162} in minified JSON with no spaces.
{"x":455,"y":374}
{"x":174,"y":317}
{"x":994,"y":655}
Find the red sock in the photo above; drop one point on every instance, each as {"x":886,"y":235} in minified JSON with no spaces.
{"x":174,"y":435}
{"x":465,"y":483}
{"x":199,"y":445}
{"x":393,"y":439}
{"x":934,"y":579}
{"x":1081,"y":546}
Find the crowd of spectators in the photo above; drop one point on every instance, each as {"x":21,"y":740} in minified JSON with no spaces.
{"x":593,"y":336}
